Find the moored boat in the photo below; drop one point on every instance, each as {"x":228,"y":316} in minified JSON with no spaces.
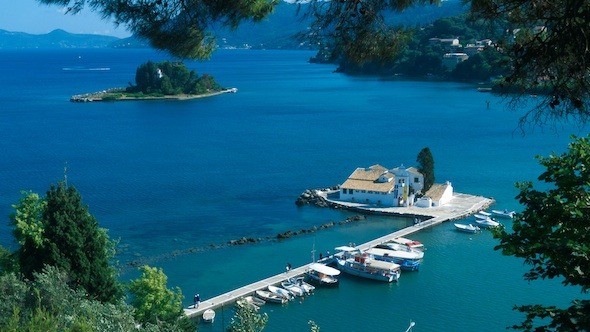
{"x":292,"y":287}
{"x":251,"y":302}
{"x":322,"y":275}
{"x":209,"y":316}
{"x":352,"y":261}
{"x":268,"y":296}
{"x":254,"y":300}
{"x":304,"y":285}
{"x":410,"y":243}
{"x":486,"y":222}
{"x":504,"y":213}
{"x":280,"y":292}
{"x":402,"y":251}
{"x":467,"y":228}
{"x":388,"y":255}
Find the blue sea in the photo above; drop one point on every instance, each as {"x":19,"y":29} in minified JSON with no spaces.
{"x":174,"y":181}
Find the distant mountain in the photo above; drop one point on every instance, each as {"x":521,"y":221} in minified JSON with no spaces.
{"x":55,"y":39}
{"x":275,"y":32}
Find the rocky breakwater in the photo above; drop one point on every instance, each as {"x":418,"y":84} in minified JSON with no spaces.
{"x":317,"y":197}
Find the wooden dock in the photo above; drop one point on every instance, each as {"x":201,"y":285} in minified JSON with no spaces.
{"x":460,"y":206}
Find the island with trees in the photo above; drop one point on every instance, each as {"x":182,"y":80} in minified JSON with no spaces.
{"x":160,"y":80}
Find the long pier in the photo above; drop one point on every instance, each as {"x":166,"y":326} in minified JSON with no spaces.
{"x":461,"y":206}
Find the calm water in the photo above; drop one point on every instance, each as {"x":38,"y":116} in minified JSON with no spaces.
{"x":177,"y":177}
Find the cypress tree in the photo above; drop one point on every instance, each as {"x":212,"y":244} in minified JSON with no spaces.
{"x":426,"y":167}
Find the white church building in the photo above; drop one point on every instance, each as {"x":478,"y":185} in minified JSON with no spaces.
{"x":394,"y":187}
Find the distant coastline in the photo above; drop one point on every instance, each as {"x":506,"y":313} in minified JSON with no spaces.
{"x":119,"y":94}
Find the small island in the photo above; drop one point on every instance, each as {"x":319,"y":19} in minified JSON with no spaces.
{"x":158,"y":81}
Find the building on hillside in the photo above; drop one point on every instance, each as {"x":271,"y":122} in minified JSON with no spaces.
{"x":381,"y":186}
{"x":450,"y":60}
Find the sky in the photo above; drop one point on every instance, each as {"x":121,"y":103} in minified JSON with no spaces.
{"x":33,"y":17}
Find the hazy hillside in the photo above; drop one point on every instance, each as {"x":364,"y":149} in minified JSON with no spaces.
{"x":276,"y":32}
{"x":54,"y":39}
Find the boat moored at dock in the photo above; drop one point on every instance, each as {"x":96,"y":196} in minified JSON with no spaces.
{"x":352,"y":261}
{"x":410,"y":243}
{"x":269,"y":296}
{"x":322,"y":275}
{"x":387,"y":255}
{"x":209,"y":316}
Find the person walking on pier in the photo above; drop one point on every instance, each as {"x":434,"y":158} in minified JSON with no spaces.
{"x":197,"y":300}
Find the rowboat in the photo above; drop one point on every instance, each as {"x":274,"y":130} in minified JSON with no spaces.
{"x":209,"y":316}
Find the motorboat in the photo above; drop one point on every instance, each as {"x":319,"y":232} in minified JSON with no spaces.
{"x":483,"y":215}
{"x":486,"y":222}
{"x":406,"y":263}
{"x":410,"y":243}
{"x":269,"y":296}
{"x":354,"y":262}
{"x":209,"y":316}
{"x":322,"y":275}
{"x":281,"y":292}
{"x":308,"y":288}
{"x":401,"y":251}
{"x":504,"y":213}
{"x":292,"y":287}
{"x":254,"y":300}
{"x":251,"y":302}
{"x":467,"y":228}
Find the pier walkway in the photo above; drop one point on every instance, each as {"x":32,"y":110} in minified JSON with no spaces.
{"x":462,"y":205}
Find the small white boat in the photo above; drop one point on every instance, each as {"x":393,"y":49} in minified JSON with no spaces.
{"x":268,"y":296}
{"x":280,"y":292}
{"x":467,"y":228}
{"x":209,"y":316}
{"x":251,"y":302}
{"x":254,"y":300}
{"x":292,"y":287}
{"x":409,"y":243}
{"x":486,"y":222}
{"x":308,"y":288}
{"x":504,"y":213}
{"x":322,"y":275}
{"x":401,"y":251}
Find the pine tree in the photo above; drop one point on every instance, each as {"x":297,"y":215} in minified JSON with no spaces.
{"x":73,"y":243}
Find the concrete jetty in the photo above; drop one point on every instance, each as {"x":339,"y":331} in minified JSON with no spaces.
{"x":461,"y":206}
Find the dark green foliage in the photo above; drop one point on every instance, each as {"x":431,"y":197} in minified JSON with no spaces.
{"x":481,"y":66}
{"x":547,"y":42}
{"x":73,"y":243}
{"x":552,"y":235}
{"x":419,"y":56}
{"x":171,"y":78}
{"x":8,"y":261}
{"x":356,"y":30}
{"x":182,"y":27}
{"x":48,"y":304}
{"x":426,"y":167}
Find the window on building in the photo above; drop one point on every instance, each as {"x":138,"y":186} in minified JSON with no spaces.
{"x":416,"y":180}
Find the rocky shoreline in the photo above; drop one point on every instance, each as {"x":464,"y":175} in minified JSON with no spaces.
{"x":118,"y":94}
{"x":312,"y":197}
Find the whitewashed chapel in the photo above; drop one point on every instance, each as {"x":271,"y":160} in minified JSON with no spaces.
{"x":392,"y":187}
